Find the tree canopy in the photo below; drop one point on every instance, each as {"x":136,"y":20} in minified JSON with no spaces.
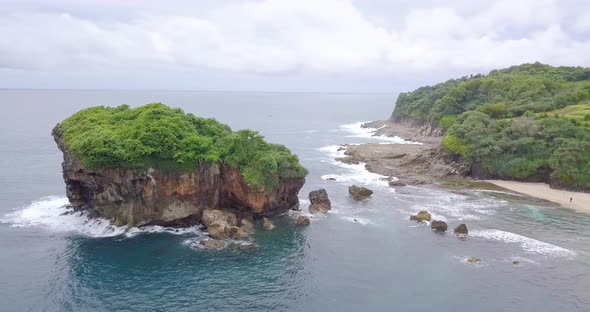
{"x":155,"y":135}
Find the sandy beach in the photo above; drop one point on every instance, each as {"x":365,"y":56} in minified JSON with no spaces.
{"x":580,"y":201}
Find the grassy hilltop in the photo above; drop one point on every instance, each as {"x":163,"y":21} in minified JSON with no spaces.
{"x":526,"y":122}
{"x":155,"y":135}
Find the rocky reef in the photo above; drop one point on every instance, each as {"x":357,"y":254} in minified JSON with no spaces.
{"x":163,"y":196}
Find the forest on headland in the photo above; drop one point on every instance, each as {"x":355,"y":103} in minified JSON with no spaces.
{"x":529,"y":122}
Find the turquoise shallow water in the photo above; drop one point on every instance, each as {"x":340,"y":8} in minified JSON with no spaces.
{"x":380,"y":262}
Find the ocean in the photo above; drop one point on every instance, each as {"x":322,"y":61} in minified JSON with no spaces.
{"x":361,"y":256}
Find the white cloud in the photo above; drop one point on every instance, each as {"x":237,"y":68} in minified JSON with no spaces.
{"x":276,"y":36}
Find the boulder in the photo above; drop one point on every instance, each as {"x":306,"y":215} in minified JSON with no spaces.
{"x":248,"y":247}
{"x":303,"y":221}
{"x":238,"y":232}
{"x":473,"y":260}
{"x":212,"y":243}
{"x":220,"y":230}
{"x":320,"y":203}
{"x":267,"y":224}
{"x":421,"y":216}
{"x":359,"y":192}
{"x":439,"y":226}
{"x":247,"y":225}
{"x":212,"y":216}
{"x":461,"y":229}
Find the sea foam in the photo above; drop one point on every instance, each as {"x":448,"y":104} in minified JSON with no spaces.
{"x":528,"y":244}
{"x":358,"y":131}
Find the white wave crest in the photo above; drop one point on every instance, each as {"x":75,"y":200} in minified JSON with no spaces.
{"x":369,"y":133}
{"x":51,"y":213}
{"x":528,"y":244}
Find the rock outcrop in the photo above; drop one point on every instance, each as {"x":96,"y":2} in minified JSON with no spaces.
{"x":421,"y":216}
{"x":359,"y":192}
{"x":212,"y":243}
{"x":303,"y":221}
{"x":267,"y":224}
{"x":138,"y":197}
{"x":319,"y":201}
{"x":439,"y":226}
{"x":461,"y":229}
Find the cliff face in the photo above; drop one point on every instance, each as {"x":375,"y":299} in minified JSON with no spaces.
{"x":154,"y":196}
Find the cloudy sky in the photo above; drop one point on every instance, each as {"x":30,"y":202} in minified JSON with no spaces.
{"x":280,"y":45}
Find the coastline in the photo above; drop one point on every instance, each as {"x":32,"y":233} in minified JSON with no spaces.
{"x":580,"y":201}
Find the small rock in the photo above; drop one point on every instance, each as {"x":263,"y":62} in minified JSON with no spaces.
{"x":331,"y":179}
{"x":439,"y":226}
{"x":396,"y":183}
{"x":219,"y":230}
{"x":238,"y":232}
{"x":515,"y":262}
{"x":461,"y":229}
{"x":267,"y":224}
{"x":246,"y":225}
{"x":359,"y":192}
{"x":212,"y":243}
{"x":473,"y":260}
{"x":341,"y":148}
{"x":249,"y":246}
{"x":421,"y":216}
{"x":320,"y":203}
{"x":303,"y":221}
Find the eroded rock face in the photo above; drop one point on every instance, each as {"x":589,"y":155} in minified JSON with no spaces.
{"x":359,"y":192}
{"x":140,"y":197}
{"x":319,"y":201}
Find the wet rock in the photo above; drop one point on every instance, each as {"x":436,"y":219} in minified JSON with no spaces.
{"x":267,"y":224}
{"x":331,"y":179}
{"x":515,"y":262}
{"x":212,"y":243}
{"x":247,"y":225}
{"x":320,"y":203}
{"x":359,"y":192}
{"x":396,"y":183}
{"x":303,"y":221}
{"x":341,"y":148}
{"x":461,"y":229}
{"x":439,"y":226}
{"x":220,"y":230}
{"x":249,"y":247}
{"x":473,"y":260}
{"x":212,"y":216}
{"x":421,"y":216}
{"x":238,"y":233}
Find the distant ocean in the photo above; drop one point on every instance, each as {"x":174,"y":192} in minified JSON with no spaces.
{"x":360,"y":257}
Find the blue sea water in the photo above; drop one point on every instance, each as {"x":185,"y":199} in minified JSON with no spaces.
{"x":361,"y":256}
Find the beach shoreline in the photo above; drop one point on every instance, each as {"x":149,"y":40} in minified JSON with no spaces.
{"x":580,"y":201}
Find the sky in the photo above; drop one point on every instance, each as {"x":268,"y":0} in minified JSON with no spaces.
{"x":279,"y":45}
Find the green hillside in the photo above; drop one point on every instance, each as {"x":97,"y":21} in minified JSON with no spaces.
{"x":527,"y":122}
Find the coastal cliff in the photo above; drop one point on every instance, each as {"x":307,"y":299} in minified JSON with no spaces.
{"x":164,"y":195}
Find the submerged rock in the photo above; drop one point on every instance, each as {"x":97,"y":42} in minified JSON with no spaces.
{"x":267,"y":224}
{"x":421,"y":216}
{"x":359,"y":192}
{"x":396,"y":183}
{"x":461,"y":229}
{"x":319,"y":201}
{"x":439,"y":226}
{"x":331,"y":179}
{"x":303,"y":221}
{"x":248,"y":247}
{"x":212,"y":243}
{"x":247,"y":225}
{"x":473,"y":260}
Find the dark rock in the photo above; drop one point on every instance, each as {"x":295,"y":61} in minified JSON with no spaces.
{"x":439,"y":226}
{"x":303,"y":221}
{"x":421,"y":216}
{"x":331,"y":179}
{"x":473,"y":260}
{"x":515,"y":262}
{"x":359,"y":192}
{"x":320,"y":203}
{"x":461,"y":229}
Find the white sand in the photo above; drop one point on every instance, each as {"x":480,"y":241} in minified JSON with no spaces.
{"x":580,"y":201}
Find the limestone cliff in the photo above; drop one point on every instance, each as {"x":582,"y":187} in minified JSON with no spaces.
{"x":155,"y":196}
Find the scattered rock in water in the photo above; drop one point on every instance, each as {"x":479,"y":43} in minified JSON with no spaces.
{"x":222,"y":224}
{"x":331,"y":179}
{"x":396,"y":183}
{"x":461,"y":229}
{"x":267,"y":224}
{"x":303,"y":221}
{"x":320,"y":203}
{"x":359,"y":192}
{"x":473,"y":260}
{"x":341,"y":148}
{"x":421,"y":216}
{"x":439,"y":226}
{"x":212,"y":243}
{"x":355,"y":220}
{"x":515,"y":262}
{"x":246,"y":224}
{"x":219,"y":230}
{"x":238,"y":232}
{"x":249,"y":246}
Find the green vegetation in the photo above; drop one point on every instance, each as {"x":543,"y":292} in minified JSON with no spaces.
{"x":155,"y":135}
{"x":524,"y":122}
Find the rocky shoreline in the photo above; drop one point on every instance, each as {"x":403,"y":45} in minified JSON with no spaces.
{"x":422,"y":163}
